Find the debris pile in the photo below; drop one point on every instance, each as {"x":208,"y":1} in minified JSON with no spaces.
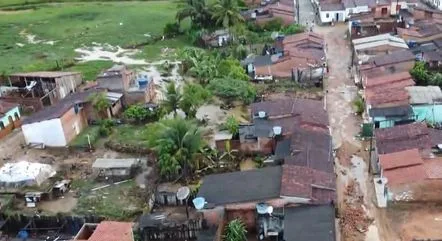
{"x":354,"y":220}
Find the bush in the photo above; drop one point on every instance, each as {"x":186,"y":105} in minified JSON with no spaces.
{"x":293,"y":29}
{"x":233,"y":89}
{"x":106,"y":127}
{"x":104,"y":131}
{"x":420,"y":73}
{"x":359,"y":105}
{"x":171,"y":30}
{"x":273,"y":25}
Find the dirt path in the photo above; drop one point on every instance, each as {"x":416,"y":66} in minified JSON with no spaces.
{"x":353,"y":183}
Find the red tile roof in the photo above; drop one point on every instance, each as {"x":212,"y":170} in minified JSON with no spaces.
{"x":112,"y":231}
{"x":304,"y":182}
{"x":405,"y":175}
{"x":387,"y":80}
{"x":402,"y":137}
{"x":400,"y":159}
{"x":309,"y":111}
{"x":387,"y":97}
{"x":433,"y":168}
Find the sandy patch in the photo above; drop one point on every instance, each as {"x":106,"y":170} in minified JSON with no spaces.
{"x":108,"y":52}
{"x":32,"y":39}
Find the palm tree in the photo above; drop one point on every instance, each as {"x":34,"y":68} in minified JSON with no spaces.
{"x":235,"y":231}
{"x":226,"y":13}
{"x":196,"y":10}
{"x":172,"y":98}
{"x":176,"y":143}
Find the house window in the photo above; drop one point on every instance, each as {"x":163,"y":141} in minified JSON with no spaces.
{"x":2,"y":125}
{"x":384,"y":11}
{"x":17,"y":117}
{"x":327,"y":15}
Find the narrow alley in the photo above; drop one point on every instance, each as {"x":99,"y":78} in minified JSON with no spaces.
{"x":353,"y":182}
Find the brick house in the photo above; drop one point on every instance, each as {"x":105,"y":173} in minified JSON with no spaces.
{"x":59,"y":124}
{"x":120,"y":79}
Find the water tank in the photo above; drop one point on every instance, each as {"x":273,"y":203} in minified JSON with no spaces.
{"x":142,"y":82}
{"x":262,"y":208}
{"x":199,"y":203}
{"x":277,"y":130}
{"x":261,"y":114}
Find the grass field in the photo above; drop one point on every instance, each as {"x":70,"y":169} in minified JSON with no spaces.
{"x":73,"y":25}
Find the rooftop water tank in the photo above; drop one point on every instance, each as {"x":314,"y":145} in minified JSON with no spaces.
{"x":143,"y":81}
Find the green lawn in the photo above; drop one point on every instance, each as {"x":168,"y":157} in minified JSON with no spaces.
{"x":82,"y":139}
{"x":118,"y":202}
{"x":130,"y":134}
{"x":74,"y":25}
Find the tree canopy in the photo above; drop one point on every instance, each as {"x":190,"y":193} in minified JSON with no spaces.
{"x":100,"y":104}
{"x":194,"y":96}
{"x":172,"y":98}
{"x":226,"y":13}
{"x":232,"y":89}
{"x":176,"y":143}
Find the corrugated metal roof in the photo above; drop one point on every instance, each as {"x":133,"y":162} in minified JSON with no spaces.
{"x":380,"y":43}
{"x":113,"y":96}
{"x":45,"y":74}
{"x":424,"y":94}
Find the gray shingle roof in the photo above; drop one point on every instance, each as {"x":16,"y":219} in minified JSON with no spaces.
{"x":236,"y":187}
{"x":424,"y":94}
{"x":310,"y":223}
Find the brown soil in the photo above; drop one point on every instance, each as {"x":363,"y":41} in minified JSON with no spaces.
{"x":416,"y":221}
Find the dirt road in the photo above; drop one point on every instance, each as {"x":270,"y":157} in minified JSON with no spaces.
{"x":351,"y":163}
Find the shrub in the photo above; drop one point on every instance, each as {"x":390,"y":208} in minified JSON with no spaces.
{"x":273,"y":25}
{"x":171,"y":30}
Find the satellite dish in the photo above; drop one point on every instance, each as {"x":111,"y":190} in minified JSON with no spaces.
{"x":183,"y":193}
{"x":199,"y":203}
{"x":274,"y":35}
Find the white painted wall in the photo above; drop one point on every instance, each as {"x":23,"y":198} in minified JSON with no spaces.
{"x":11,"y":113}
{"x":329,"y":16}
{"x":356,"y":10}
{"x":48,"y":132}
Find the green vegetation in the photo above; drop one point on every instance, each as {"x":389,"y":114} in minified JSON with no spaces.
{"x":233,"y":89}
{"x":226,"y":13}
{"x":134,"y":135}
{"x":424,"y":76}
{"x":82,"y":140}
{"x":235,"y":231}
{"x":117,"y":202}
{"x":232,"y":125}
{"x":74,"y":25}
{"x":194,"y":96}
{"x":359,"y":105}
{"x":176,"y":143}
{"x":139,"y":114}
{"x":172,"y":98}
{"x":100,"y":104}
{"x":91,"y":69}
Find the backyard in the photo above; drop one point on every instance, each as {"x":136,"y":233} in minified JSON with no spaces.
{"x":46,"y":36}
